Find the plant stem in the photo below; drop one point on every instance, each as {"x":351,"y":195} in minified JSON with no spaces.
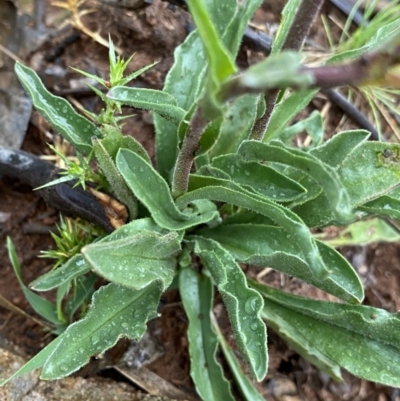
{"x":298,"y":32}
{"x":260,"y":126}
{"x":184,"y":162}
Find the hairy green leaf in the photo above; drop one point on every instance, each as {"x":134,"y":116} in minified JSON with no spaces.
{"x":75,"y":128}
{"x":362,"y":339}
{"x":77,"y":265}
{"x":370,"y":171}
{"x":114,"y":178}
{"x":197,"y":297}
{"x":136,"y":261}
{"x":242,"y":303}
{"x":116,"y":312}
{"x":159,"y":102}
{"x":245,"y":386}
{"x":262,"y":179}
{"x":288,"y":15}
{"x":268,"y":246}
{"x":325,"y":175}
{"x":152,"y":190}
{"x":225,"y":191}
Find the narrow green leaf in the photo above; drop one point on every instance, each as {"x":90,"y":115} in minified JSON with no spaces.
{"x":220,"y":61}
{"x":285,"y":111}
{"x":115,"y":312}
{"x":157,"y":101}
{"x":242,"y":303}
{"x":136,"y":261}
{"x":135,"y":74}
{"x":41,"y":305}
{"x":268,"y":246}
{"x":288,"y":15}
{"x":233,"y":33}
{"x":325,"y":176}
{"x":262,"y":179}
{"x":60,"y":114}
{"x":83,"y":294}
{"x":296,"y":230}
{"x":36,"y":362}
{"x":246,"y":387}
{"x":313,"y":125}
{"x":184,"y":81}
{"x":362,"y":339}
{"x":75,"y":267}
{"x":197,"y":297}
{"x":387,"y":205}
{"x":151,"y":189}
{"x":365,"y":233}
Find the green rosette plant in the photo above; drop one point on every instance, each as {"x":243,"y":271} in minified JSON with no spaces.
{"x":230,"y":189}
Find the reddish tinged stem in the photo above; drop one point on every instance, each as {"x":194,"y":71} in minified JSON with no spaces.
{"x":187,"y":154}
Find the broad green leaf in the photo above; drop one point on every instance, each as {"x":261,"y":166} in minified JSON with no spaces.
{"x":58,"y":112}
{"x":237,"y":122}
{"x":313,"y":125}
{"x":77,"y":265}
{"x":114,"y":178}
{"x":370,"y":171}
{"x":362,"y":339}
{"x":156,"y":101}
{"x":41,"y":305}
{"x":336,"y":149}
{"x":242,"y":303}
{"x":245,"y":386}
{"x":221,"y":63}
{"x":262,"y":179}
{"x":233,"y":33}
{"x":136,"y":261}
{"x":365,"y":233}
{"x":268,"y":246}
{"x":296,"y":230}
{"x":285,"y":111}
{"x":288,"y":15}
{"x":152,"y":190}
{"x":197,"y":297}
{"x":325,"y":175}
{"x":115,"y":312}
{"x":36,"y":362}
{"x":185,"y":80}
